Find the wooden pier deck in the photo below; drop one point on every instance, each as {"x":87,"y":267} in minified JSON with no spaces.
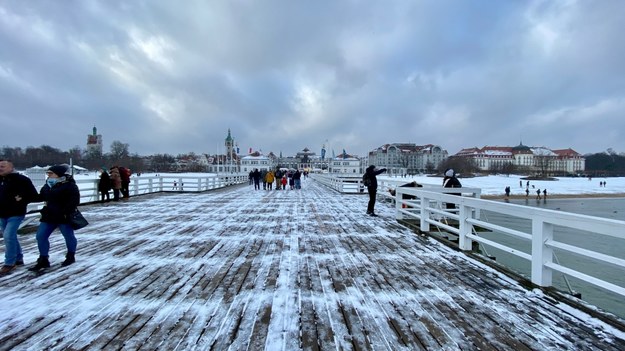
{"x":240,"y":269}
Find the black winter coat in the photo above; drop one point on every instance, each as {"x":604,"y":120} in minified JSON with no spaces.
{"x":451,"y":182}
{"x":105,"y":182}
{"x":372,"y":176}
{"x":61,"y":201}
{"x":12,"y":185}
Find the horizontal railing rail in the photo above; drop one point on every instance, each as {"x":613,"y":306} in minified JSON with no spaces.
{"x":426,"y":209}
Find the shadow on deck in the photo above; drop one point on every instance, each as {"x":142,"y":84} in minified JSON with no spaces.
{"x":279,"y":270}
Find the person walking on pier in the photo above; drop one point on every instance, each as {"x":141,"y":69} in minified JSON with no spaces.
{"x":269,"y":178}
{"x":62,"y":197}
{"x":372,"y":187}
{"x":256,"y":175}
{"x":16,"y":191}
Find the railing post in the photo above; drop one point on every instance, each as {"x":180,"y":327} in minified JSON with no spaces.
{"x":135,"y":187}
{"x":425,"y":214}
{"x":398,"y":205}
{"x":464,"y":243}
{"x":541,"y":254}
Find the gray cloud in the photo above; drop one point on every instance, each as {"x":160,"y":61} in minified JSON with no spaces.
{"x":172,"y":77}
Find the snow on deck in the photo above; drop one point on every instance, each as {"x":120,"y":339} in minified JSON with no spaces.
{"x":282,"y":270}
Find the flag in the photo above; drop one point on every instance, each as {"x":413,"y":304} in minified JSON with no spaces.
{"x":250,"y":150}
{"x":323,"y":152}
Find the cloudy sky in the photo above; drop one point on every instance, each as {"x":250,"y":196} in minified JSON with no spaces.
{"x":173,"y":76}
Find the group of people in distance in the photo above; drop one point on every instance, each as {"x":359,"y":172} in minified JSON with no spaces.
{"x":118,"y":180}
{"x":61,"y":196}
{"x":449,"y":181}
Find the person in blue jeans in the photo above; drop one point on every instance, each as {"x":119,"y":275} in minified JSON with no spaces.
{"x":62,"y":198}
{"x":16,"y":191}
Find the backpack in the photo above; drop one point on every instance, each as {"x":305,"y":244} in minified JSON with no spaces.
{"x":366,"y":180}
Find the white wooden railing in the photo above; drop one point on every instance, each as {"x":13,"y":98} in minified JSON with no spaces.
{"x":141,"y":185}
{"x":347,"y":184}
{"x":428,"y":211}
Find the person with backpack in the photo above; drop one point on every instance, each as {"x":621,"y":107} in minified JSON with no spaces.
{"x":61,"y":195}
{"x":371,"y":182}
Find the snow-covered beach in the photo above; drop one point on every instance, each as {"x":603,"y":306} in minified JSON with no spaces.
{"x":494,"y":185}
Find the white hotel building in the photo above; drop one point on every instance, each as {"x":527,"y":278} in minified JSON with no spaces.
{"x":533,"y":159}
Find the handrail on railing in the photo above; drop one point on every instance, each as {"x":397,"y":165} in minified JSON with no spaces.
{"x":426,"y":208}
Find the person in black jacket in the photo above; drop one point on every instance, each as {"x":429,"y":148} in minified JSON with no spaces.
{"x":372,"y":188}
{"x":62,"y":198}
{"x":104,"y":185}
{"x":16,"y":191}
{"x":450,"y":181}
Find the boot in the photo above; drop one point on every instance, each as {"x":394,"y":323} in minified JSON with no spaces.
{"x":42,"y":263}
{"x":69,"y":259}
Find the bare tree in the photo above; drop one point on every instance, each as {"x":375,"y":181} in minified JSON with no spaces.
{"x":119,"y":152}
{"x":543,"y":160}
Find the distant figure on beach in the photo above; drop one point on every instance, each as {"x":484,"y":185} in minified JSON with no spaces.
{"x":545,"y":193}
{"x":528,"y":183}
{"x":520,"y":183}
{"x":507,"y":190}
{"x":527,"y":192}
{"x":538,"y":194}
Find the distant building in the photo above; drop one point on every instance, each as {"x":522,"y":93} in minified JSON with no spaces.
{"x":256,"y":160}
{"x":345,"y":164}
{"x":94,"y":142}
{"x":539,"y":160}
{"x":227,"y":163}
{"x":407,"y":158}
{"x":304,"y":160}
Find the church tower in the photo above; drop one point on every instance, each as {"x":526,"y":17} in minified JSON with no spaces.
{"x":94,"y":142}
{"x":230,"y":151}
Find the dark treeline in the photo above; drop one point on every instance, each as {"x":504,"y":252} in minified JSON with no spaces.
{"x":46,"y":155}
{"x":608,"y":164}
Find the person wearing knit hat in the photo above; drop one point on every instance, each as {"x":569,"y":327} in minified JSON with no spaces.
{"x":450,"y":181}
{"x":59,"y":170}
{"x":62,"y":197}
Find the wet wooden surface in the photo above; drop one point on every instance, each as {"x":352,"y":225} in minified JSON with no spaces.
{"x":273,"y":270}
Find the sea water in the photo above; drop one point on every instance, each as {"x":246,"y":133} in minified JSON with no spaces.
{"x":613,"y":208}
